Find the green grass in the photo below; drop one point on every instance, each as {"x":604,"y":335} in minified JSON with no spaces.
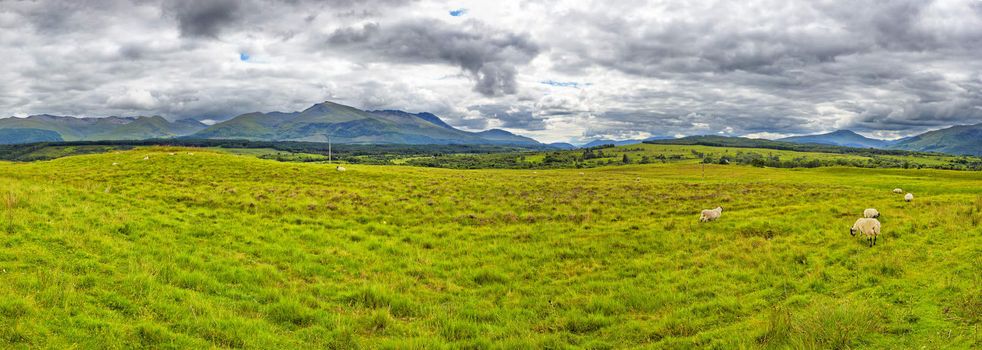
{"x":216,"y":250}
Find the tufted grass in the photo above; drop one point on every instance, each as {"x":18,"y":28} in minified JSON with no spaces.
{"x":214,"y":250}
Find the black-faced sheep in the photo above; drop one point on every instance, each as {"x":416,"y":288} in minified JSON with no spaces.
{"x":867,"y":226}
{"x":871,"y":213}
{"x":909,"y":197}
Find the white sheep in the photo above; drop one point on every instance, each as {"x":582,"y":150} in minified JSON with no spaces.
{"x":341,"y":168}
{"x":146,"y":158}
{"x":172,"y":153}
{"x":898,"y":191}
{"x":871,"y":213}
{"x":909,"y":197}
{"x":867,"y":226}
{"x":115,"y":164}
{"x":711,"y":214}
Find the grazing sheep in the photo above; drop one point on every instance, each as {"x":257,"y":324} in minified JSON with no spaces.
{"x":871,"y":213}
{"x":711,"y":214}
{"x":898,"y":191}
{"x":172,"y":153}
{"x":146,"y":158}
{"x":341,"y":168}
{"x":909,"y":197}
{"x":115,"y":164}
{"x":867,"y":226}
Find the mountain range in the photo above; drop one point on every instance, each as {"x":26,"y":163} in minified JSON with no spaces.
{"x":338,"y":123}
{"x":959,"y":139}
{"x":44,"y":127}
{"x":845,"y":138}
{"x":321,"y":122}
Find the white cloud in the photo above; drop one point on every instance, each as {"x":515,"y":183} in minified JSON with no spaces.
{"x":135,"y":99}
{"x":616,"y":69}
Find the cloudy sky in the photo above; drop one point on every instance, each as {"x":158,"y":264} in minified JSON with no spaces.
{"x":554,"y":70}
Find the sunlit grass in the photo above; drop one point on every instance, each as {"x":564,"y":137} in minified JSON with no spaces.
{"x":213,"y":249}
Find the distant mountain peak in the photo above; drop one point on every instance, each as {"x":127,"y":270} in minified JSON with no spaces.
{"x":846,"y":138}
{"x":427,"y":116}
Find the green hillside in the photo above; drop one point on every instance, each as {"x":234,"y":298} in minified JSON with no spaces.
{"x":190,"y":248}
{"x":24,"y":135}
{"x":962,"y":139}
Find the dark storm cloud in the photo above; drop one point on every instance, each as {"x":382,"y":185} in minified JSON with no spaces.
{"x":204,"y":18}
{"x":488,"y":54}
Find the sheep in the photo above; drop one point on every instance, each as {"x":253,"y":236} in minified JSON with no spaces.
{"x":898,"y":191}
{"x":711,"y":214}
{"x":115,"y":164}
{"x":146,"y":158}
{"x":871,"y":213}
{"x":909,"y":197}
{"x":341,"y":168}
{"x":172,"y":153}
{"x":867,"y":226}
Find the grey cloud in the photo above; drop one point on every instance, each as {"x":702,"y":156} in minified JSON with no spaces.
{"x":203,"y":18}
{"x":352,"y":35}
{"x":489,"y":55}
{"x":510,"y":116}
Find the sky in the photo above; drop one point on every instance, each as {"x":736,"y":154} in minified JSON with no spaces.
{"x":555,"y":70}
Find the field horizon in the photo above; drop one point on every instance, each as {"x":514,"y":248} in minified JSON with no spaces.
{"x":196,"y":247}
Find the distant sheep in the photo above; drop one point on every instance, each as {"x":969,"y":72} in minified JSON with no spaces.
{"x":172,"y":153}
{"x":898,"y":191}
{"x":909,"y":197}
{"x":711,"y":214}
{"x":871,"y":213}
{"x":146,"y":158}
{"x":341,"y":168}
{"x":115,"y":164}
{"x":867,"y":226}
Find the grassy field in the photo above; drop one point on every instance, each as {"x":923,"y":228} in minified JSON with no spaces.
{"x":218,"y":250}
{"x":671,"y":153}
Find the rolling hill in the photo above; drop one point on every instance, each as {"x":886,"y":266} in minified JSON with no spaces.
{"x":845,"y":138}
{"x":344,"y":124}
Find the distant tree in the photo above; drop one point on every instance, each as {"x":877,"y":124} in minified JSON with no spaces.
{"x":625,"y":159}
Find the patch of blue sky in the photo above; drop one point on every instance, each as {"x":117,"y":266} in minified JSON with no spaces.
{"x":571,"y":84}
